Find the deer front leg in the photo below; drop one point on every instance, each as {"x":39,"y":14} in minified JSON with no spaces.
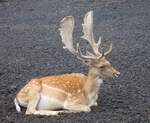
{"x":77,"y":107}
{"x":95,"y":103}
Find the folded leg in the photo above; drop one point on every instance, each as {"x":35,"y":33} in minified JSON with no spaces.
{"x":50,"y":112}
{"x":77,"y":107}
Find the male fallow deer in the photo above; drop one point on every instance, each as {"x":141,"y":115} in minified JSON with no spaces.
{"x":73,"y":92}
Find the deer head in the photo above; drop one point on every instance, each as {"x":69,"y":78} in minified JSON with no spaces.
{"x":96,"y":61}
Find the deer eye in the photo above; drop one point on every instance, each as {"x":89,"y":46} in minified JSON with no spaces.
{"x":102,"y":66}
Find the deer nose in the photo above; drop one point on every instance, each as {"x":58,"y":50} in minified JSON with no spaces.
{"x":117,"y":73}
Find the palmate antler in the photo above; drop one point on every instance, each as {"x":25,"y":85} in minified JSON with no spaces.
{"x":66,"y":30}
{"x":88,"y":33}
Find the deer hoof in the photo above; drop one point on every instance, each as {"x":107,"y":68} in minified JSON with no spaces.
{"x":87,"y":109}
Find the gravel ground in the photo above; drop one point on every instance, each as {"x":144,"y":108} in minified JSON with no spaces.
{"x":30,"y":46}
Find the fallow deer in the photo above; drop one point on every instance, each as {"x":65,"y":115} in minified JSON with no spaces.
{"x":73,"y":92}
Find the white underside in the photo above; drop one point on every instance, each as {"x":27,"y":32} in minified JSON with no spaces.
{"x":47,"y":103}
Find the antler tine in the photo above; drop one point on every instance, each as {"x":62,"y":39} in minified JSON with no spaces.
{"x":80,"y":55}
{"x":88,"y":33}
{"x":66,"y":30}
{"x":109,"y":51}
{"x":89,"y":54}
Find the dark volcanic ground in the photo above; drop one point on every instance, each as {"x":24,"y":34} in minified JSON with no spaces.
{"x":30,"y":46}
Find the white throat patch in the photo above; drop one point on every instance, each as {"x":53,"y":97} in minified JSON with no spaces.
{"x":99,"y":81}
{"x":92,"y":96}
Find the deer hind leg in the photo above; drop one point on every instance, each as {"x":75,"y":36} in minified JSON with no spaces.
{"x":21,"y":99}
{"x":33,"y":95}
{"x":50,"y":112}
{"x":33,"y":102}
{"x":22,"y":96}
{"x":20,"y":102}
{"x":68,"y":109}
{"x":32,"y":105}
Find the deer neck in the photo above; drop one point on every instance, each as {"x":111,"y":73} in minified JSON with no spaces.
{"x":92,"y":84}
